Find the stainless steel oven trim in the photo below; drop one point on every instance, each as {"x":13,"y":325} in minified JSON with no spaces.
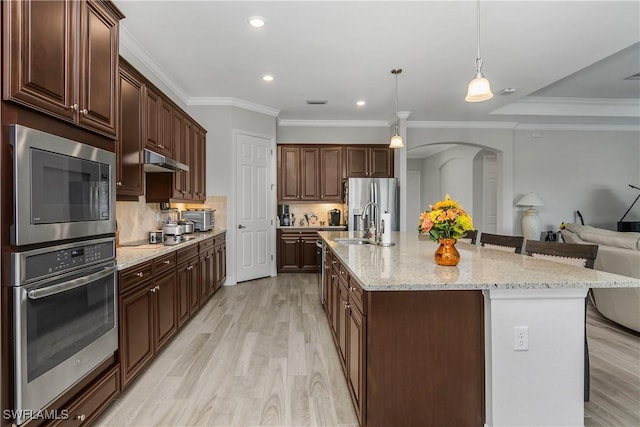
{"x":18,"y":264}
{"x":42,"y":390}
{"x":69,"y":284}
{"x":23,"y":139}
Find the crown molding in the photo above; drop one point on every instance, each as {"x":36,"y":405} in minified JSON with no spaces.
{"x":134,"y":46}
{"x":579,"y":127}
{"x":547,"y":106}
{"x":461,"y":125}
{"x":335,"y":123}
{"x":234,"y":102}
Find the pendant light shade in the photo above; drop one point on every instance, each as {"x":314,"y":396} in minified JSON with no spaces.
{"x":479,"y":88}
{"x":396,"y":139}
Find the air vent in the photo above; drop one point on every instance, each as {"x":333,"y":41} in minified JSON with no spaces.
{"x":635,"y":76}
{"x":507,"y":91}
{"x":316,"y":101}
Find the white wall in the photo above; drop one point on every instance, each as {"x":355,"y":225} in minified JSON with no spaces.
{"x":332,"y":135}
{"x":587,"y":171}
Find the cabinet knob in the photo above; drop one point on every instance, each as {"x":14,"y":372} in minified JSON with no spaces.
{"x":153,"y":290}
{"x":167,"y":262}
{"x":85,"y":111}
{"x":157,"y":288}
{"x":74,"y":107}
{"x":81,"y":417}
{"x":140,"y":274}
{"x":119,"y":183}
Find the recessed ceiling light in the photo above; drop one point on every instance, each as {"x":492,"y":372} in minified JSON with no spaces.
{"x":256,"y":22}
{"x":361,"y":103}
{"x":267,"y":78}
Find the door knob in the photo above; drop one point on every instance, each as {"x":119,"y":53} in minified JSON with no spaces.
{"x":242,"y":226}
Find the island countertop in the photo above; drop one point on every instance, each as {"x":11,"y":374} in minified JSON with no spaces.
{"x":409,"y":265}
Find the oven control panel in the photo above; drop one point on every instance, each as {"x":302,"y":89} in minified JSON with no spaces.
{"x":59,"y":259}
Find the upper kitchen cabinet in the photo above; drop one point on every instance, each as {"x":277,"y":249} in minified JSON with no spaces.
{"x":298,"y":170}
{"x":129,"y":182}
{"x":61,"y":58}
{"x":198,"y":174}
{"x":369,"y":161}
{"x":331,"y":174}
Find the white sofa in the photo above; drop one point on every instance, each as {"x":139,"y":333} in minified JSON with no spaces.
{"x":617,"y":253}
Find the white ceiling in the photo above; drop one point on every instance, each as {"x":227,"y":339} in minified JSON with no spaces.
{"x":567,"y":59}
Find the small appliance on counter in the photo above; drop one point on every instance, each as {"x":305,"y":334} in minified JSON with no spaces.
{"x":188,"y":226}
{"x":172,"y":233}
{"x":167,"y":216}
{"x":283,"y":214}
{"x":333,"y":216}
{"x":203,"y":219}
{"x":156,"y":237}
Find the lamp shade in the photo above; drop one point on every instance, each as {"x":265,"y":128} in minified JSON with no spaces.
{"x":396,"y":142}
{"x":530,"y":199}
{"x":479,"y":89}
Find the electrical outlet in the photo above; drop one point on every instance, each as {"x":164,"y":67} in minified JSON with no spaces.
{"x":521,"y":338}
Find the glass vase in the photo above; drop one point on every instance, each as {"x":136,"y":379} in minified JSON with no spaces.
{"x":447,"y":254}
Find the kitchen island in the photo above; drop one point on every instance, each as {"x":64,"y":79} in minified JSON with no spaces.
{"x":428,"y":345}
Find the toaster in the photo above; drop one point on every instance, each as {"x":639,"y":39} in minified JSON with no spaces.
{"x":203,"y":219}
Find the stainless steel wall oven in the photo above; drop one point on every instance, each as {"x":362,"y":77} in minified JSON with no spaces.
{"x":63,"y":189}
{"x":65,"y":318}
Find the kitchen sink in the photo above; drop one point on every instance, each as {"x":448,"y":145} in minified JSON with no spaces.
{"x":355,"y":241}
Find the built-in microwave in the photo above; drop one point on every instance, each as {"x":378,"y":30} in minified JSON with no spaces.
{"x":62,"y":189}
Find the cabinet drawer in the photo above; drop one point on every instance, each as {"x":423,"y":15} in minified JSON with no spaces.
{"x":94,"y":399}
{"x":186,"y":253}
{"x":205,"y":245}
{"x":164,"y":263}
{"x":356,"y":295}
{"x":221,"y":238}
{"x":131,"y":277}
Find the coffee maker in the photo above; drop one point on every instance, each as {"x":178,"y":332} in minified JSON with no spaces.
{"x":334,"y":217}
{"x":283,"y":214}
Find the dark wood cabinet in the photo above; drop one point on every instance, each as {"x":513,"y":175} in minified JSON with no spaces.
{"x":166,"y":128}
{"x":369,"y":161}
{"x":309,"y":185}
{"x":296,"y":251}
{"x":207,"y":267}
{"x":188,"y":289}
{"x":288,"y":173}
{"x":148,"y":318}
{"x":331,"y":174}
{"x":220,"y":250}
{"x":436,"y":357}
{"x":61,"y":59}
{"x":129,"y":173}
{"x":152,"y":119}
{"x":198,"y":174}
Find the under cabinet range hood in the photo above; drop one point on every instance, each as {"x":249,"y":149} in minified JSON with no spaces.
{"x":154,"y":162}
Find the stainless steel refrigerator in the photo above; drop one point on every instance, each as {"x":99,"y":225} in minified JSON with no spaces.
{"x":381,"y":191}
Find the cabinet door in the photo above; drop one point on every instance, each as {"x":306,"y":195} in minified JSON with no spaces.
{"x":136,"y":331}
{"x":39,"y":68}
{"x":289,"y":170}
{"x":184,"y":293}
{"x":178,"y":143}
{"x":98,"y":68}
{"x":222,"y":264}
{"x":357,"y":162}
{"x":166,"y":315}
{"x":309,"y":170}
{"x":187,"y":157}
{"x":308,"y":252}
{"x":201,"y":162}
{"x":165,"y":138}
{"x":336,"y":304}
{"x":288,"y":252}
{"x":205,"y":282}
{"x":327,"y":279}
{"x":381,"y":162}
{"x":130,"y":159}
{"x":194,"y":284}
{"x":342,"y":325}
{"x":356,"y":358}
{"x":331,"y":174}
{"x":152,"y":114}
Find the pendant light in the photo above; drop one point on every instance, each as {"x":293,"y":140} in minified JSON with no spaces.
{"x":479,"y":89}
{"x":396,"y":139}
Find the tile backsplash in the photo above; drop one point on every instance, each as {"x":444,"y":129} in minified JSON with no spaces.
{"x":136,"y":219}
{"x":319,"y":209}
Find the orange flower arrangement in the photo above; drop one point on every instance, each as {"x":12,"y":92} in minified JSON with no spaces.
{"x":445,"y":219}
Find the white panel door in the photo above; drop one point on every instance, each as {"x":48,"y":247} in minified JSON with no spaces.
{"x":253,"y":210}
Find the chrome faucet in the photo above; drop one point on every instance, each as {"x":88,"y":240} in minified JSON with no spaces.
{"x":373,"y":232}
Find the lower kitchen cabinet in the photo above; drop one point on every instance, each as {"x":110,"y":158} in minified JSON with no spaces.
{"x":188,"y":289}
{"x":297,"y":251}
{"x":207,"y":268}
{"x":147,"y":309}
{"x":220,"y":250}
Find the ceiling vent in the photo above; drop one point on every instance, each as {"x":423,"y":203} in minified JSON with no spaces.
{"x":635,"y":76}
{"x":316,"y":101}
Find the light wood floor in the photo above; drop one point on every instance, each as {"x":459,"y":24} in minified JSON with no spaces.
{"x":261,"y":354}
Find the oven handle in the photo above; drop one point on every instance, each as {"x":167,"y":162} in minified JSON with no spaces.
{"x":71,"y":284}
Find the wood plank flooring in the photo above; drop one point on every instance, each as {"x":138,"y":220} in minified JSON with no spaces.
{"x":261,"y":354}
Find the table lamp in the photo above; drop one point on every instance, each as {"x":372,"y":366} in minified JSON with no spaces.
{"x":530,"y":225}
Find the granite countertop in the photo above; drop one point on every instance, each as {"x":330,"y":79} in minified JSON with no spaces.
{"x":135,"y":253}
{"x":409,"y":265}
